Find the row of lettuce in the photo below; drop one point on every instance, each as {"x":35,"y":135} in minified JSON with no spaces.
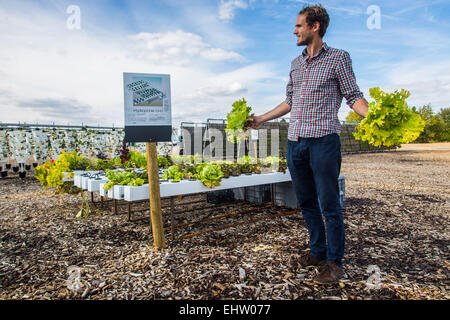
{"x":131,"y":169}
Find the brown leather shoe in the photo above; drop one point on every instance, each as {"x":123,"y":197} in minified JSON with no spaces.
{"x":329,"y":273}
{"x":305,"y":260}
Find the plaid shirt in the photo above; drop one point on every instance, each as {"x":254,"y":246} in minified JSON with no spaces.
{"x":315,"y":92}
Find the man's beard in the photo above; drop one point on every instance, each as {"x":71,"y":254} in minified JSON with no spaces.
{"x":306,"y":41}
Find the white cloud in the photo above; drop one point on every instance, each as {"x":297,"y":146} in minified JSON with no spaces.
{"x":62,"y":76}
{"x":228,"y":7}
{"x":218,"y":54}
{"x":232,"y":89}
{"x":426,"y":82}
{"x":178,"y":48}
{"x":59,"y":109}
{"x":417,"y":70}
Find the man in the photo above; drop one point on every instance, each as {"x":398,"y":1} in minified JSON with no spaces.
{"x":319,"y":79}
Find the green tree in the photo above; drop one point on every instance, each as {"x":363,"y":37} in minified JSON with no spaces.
{"x":436,"y":129}
{"x":444,"y":116}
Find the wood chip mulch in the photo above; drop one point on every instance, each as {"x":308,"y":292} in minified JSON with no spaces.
{"x":397,"y":242}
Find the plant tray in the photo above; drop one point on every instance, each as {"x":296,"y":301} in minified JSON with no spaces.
{"x":168,"y":189}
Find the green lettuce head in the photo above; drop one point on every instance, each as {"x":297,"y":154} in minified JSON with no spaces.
{"x":389,"y":122}
{"x":236,"y":120}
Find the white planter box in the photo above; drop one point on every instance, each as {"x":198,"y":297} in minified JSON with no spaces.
{"x":102,"y":191}
{"x":110,"y":193}
{"x":118,"y":192}
{"x":78,"y":178}
{"x":168,"y":189}
{"x":94,"y":185}
{"x":84,"y":183}
{"x":136,"y":193}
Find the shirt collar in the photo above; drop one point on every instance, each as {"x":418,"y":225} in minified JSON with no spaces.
{"x":324,"y":48}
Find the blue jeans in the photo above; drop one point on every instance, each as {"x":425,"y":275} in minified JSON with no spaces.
{"x":315,"y":165}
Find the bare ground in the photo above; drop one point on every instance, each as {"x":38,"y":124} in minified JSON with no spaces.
{"x":396,"y":218}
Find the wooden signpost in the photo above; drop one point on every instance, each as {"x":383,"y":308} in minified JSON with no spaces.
{"x":148,"y":118}
{"x":155,"y":199}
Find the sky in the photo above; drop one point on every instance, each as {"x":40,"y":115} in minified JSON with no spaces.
{"x":63,"y":61}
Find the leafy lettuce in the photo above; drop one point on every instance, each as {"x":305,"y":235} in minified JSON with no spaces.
{"x":236,"y":120}
{"x":123,"y":178}
{"x":389,"y":122}
{"x":209,"y":174}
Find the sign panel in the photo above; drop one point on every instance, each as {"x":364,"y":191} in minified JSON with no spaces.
{"x":148,"y":111}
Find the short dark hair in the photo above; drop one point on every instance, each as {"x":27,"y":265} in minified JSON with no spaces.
{"x":317,"y":13}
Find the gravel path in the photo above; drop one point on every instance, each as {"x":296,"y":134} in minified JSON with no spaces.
{"x":397,"y":242}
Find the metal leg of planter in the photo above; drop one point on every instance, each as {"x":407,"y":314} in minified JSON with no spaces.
{"x":172,"y":218}
{"x":129,"y":210}
{"x":272,"y":190}
{"x":115,"y":206}
{"x":92,"y":197}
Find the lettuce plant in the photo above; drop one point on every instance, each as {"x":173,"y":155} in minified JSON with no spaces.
{"x":123,"y":178}
{"x":389,"y":122}
{"x":238,"y":119}
{"x":137,"y":159}
{"x":173,"y":173}
{"x":210,"y":175}
{"x":163,"y":162}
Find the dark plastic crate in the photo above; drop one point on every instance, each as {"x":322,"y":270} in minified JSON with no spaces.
{"x":220,"y":196}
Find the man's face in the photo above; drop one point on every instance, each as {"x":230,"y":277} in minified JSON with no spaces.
{"x":303,"y":31}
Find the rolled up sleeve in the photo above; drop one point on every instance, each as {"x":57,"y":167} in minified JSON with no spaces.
{"x":347,"y":80}
{"x":289,"y":91}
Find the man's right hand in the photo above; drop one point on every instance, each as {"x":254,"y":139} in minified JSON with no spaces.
{"x":257,"y":121}
{"x":279,"y":111}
